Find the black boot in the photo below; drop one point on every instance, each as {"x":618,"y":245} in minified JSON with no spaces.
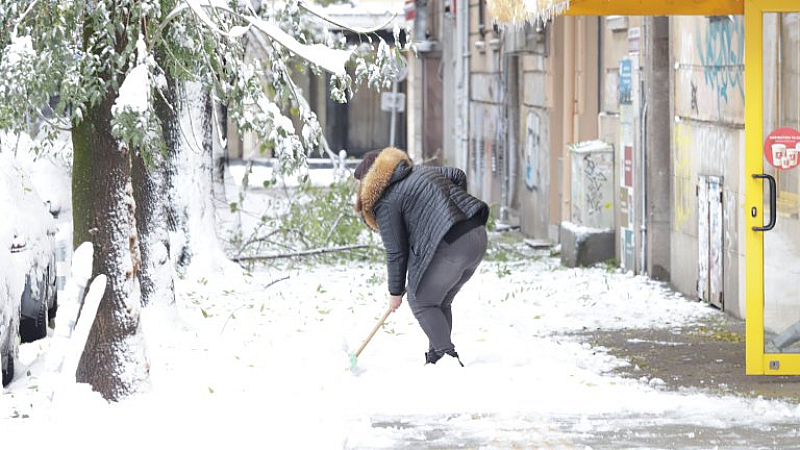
{"x":432,"y":356}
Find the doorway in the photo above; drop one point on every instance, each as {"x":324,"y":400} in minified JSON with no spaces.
{"x":773,"y":186}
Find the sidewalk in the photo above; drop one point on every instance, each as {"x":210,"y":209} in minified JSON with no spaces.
{"x":708,"y":356}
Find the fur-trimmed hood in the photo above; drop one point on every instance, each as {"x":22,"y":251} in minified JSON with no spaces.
{"x":376,"y":180}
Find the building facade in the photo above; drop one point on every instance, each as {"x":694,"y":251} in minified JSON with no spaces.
{"x":666,"y":94}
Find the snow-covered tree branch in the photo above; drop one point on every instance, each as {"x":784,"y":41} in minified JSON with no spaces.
{"x":110,"y":71}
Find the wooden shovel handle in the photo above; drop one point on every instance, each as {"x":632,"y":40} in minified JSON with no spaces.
{"x":374,"y":330}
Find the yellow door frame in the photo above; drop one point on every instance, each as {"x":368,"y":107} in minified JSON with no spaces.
{"x":758,"y":362}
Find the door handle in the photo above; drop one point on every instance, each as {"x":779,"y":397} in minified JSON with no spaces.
{"x":773,"y":210}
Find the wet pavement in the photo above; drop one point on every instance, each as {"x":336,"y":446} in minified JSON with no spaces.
{"x":708,"y":356}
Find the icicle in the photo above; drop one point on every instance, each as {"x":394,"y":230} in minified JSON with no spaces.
{"x":515,"y":12}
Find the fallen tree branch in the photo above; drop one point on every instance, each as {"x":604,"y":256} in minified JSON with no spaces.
{"x":316,"y":251}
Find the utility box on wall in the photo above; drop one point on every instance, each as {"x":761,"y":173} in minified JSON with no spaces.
{"x":589,"y":237}
{"x":592,"y":184}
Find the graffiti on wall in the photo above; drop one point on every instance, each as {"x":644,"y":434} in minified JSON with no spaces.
{"x":486,"y":145}
{"x":592,"y":180}
{"x":596,"y":174}
{"x":682,"y":170}
{"x":533,"y":145}
{"x":721,"y":52}
{"x":699,"y":149}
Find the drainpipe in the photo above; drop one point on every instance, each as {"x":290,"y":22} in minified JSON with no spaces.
{"x":462,"y":17}
{"x":393,"y":124}
{"x":510,"y":128}
{"x":645,"y":40}
{"x":504,"y":76}
{"x":511,"y":149}
{"x":643,"y":190}
{"x":568,"y":116}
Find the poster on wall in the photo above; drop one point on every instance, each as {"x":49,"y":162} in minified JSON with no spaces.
{"x":626,"y":250}
{"x":623,"y":206}
{"x":627,"y":123}
{"x":781,"y":148}
{"x":634,"y":39}
{"x":627,"y":166}
{"x":625,"y":81}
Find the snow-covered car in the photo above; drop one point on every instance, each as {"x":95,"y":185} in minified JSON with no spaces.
{"x":27,"y":263}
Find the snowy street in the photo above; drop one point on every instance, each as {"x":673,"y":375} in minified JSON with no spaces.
{"x":269,"y":367}
{"x":210,"y":208}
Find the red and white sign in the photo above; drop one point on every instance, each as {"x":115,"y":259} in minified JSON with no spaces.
{"x":410,"y":9}
{"x":627,"y":180}
{"x":782,"y":148}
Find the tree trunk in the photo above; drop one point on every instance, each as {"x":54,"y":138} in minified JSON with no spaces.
{"x":153,"y":209}
{"x":191,"y":182}
{"x":113,"y":361}
{"x":220,"y":150}
{"x":157,"y":284}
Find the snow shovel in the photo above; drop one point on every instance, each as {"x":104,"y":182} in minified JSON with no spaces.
{"x":354,"y":356}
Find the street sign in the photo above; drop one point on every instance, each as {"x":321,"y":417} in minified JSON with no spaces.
{"x":393,"y":101}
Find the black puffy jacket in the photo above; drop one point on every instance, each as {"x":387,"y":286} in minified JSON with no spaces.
{"x":413,"y":207}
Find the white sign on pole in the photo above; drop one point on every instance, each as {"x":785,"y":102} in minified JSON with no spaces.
{"x":391,"y":101}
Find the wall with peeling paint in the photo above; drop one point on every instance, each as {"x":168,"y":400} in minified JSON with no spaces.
{"x":620,"y":126}
{"x":707,"y":140}
{"x":531,"y":134}
{"x":693,"y":74}
{"x":533,"y":188}
{"x":486,"y":110}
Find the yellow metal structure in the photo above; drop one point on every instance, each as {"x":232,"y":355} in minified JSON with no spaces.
{"x":655,"y":7}
{"x":754,"y":192}
{"x":758,"y":362}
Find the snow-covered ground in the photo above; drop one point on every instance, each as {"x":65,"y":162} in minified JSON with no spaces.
{"x":240,"y":362}
{"x":260,"y":359}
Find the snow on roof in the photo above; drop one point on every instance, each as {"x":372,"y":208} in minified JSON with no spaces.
{"x":367,"y":14}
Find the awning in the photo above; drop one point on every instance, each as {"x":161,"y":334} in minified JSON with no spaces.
{"x":656,"y":7}
{"x":519,"y":11}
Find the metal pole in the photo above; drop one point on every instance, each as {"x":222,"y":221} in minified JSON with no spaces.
{"x":463,"y":125}
{"x":393,"y":124}
{"x":645,"y":39}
